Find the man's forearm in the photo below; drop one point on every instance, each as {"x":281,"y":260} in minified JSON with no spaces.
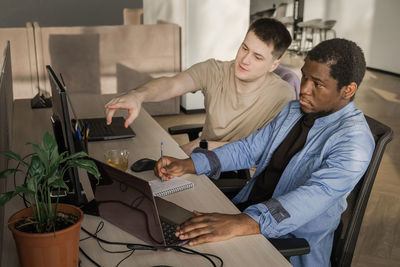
{"x":154,"y":91}
{"x":214,"y":144}
{"x":164,"y":88}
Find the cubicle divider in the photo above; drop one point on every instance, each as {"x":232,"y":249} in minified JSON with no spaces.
{"x":23,"y":60}
{"x":6,"y":113}
{"x":105,"y":59}
{"x":110,"y":59}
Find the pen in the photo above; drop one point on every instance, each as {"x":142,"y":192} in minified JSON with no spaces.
{"x":79,"y":134}
{"x":87,"y":132}
{"x":162,"y":157}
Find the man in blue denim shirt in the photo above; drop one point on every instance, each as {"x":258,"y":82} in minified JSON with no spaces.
{"x":310,"y":193}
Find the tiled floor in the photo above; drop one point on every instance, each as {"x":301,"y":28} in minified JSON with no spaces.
{"x":378,"y":244}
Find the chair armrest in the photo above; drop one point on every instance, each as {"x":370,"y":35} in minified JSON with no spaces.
{"x":230,"y":185}
{"x":192,"y":130}
{"x":289,"y":247}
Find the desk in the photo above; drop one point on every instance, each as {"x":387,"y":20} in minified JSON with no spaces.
{"x":30,"y":125}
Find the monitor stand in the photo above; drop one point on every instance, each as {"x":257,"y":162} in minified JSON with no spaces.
{"x":40,"y":101}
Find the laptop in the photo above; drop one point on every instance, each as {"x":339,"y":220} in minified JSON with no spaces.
{"x":127,"y":202}
{"x":98,"y":128}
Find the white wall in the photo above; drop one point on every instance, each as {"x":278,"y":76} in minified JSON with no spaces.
{"x":210,"y":29}
{"x":385,"y":36}
{"x":372,"y":24}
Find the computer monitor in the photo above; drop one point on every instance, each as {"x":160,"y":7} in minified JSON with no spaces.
{"x":63,"y":132}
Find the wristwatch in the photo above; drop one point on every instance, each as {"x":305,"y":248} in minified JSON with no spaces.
{"x":203,"y":144}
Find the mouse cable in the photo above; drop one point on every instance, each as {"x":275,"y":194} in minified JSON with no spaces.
{"x":134,"y":246}
{"x":98,"y":239}
{"x":192,"y":251}
{"x":89,"y":258}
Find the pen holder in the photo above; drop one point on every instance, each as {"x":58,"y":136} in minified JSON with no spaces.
{"x":81,"y":145}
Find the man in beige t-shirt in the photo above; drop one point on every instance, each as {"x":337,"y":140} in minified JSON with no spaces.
{"x":241,"y":96}
{"x":232,"y":115}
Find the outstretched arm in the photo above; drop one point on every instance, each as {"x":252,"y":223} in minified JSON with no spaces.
{"x":153,"y":91}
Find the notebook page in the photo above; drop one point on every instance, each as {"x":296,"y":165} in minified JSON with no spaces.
{"x":164,"y":188}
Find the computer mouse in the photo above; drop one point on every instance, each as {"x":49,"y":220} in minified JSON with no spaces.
{"x":144,"y":164}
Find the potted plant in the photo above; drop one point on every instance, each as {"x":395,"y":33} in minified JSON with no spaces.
{"x":47,"y":232}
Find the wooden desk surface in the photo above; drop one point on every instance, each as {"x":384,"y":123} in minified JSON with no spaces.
{"x":30,"y":125}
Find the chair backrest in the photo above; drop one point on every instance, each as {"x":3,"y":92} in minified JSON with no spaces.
{"x":346,"y":234}
{"x":290,"y":77}
{"x":280,"y":11}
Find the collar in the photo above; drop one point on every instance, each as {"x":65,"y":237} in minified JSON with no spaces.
{"x":333,"y":117}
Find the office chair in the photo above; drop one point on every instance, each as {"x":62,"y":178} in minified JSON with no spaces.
{"x":347,"y":232}
{"x":345,"y":237}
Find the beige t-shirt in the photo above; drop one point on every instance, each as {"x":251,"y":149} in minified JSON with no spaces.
{"x":231,"y":115}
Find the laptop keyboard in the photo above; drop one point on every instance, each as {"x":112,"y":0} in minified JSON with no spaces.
{"x":169,"y":233}
{"x":99,"y":128}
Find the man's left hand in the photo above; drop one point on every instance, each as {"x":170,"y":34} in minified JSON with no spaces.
{"x":212,"y":227}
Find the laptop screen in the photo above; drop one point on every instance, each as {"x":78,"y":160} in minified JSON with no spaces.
{"x":127,"y":202}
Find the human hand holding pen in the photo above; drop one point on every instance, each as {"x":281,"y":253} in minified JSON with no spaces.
{"x":168,"y":167}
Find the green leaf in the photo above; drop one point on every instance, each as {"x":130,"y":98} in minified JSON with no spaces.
{"x":87,"y":165}
{"x":77,"y":155}
{"x":36,"y":168}
{"x":59,"y":183}
{"x":49,"y":143}
{"x":43,"y":155}
{"x":5,"y":197}
{"x":16,"y":157}
{"x":52,"y":178}
{"x":32,"y":184}
{"x":23,"y":189}
{"x":7,"y":172}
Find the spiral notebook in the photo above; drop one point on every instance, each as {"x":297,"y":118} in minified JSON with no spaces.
{"x":165,"y":188}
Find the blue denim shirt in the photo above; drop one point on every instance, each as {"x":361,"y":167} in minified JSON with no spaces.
{"x":311,"y":194}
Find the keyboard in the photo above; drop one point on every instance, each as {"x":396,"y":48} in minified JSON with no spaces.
{"x":100,"y":131}
{"x":169,"y":233}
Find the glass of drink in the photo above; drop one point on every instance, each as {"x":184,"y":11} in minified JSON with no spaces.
{"x":117,"y":158}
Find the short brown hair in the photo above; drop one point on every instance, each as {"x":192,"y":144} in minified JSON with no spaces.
{"x":271,"y":31}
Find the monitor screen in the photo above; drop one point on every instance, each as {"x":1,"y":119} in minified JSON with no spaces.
{"x":63,"y":131}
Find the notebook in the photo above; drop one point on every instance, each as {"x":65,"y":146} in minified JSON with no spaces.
{"x":165,"y":188}
{"x":128,"y":202}
{"x":98,"y":129}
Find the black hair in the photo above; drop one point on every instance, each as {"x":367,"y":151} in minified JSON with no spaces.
{"x":344,"y":58}
{"x":271,"y":31}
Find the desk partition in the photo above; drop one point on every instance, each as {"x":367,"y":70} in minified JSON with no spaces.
{"x":6,"y":108}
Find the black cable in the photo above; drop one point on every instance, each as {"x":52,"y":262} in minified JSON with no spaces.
{"x":134,"y":246}
{"x":99,"y":227}
{"x":90,"y":259}
{"x":130,"y":254}
{"x":205,"y":255}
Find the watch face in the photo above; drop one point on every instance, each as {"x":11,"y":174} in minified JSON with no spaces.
{"x":204,"y":144}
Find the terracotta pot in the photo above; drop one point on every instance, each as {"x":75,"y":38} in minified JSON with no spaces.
{"x":50,"y":249}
